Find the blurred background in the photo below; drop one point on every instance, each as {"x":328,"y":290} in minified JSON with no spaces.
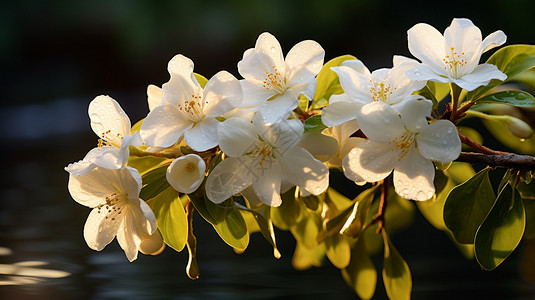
{"x":56,"y":56}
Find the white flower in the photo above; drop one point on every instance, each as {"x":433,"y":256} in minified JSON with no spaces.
{"x":117,"y":211}
{"x":112,"y":126}
{"x":263,"y":156}
{"x":454,"y":56}
{"x":361,"y":87}
{"x":403,"y":142}
{"x":188,"y":110}
{"x":342,"y":134}
{"x":272,"y":83}
{"x":186,"y":173}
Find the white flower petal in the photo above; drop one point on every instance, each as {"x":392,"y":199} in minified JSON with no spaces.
{"x":481,"y":75}
{"x":163,"y":126}
{"x":108,"y":120}
{"x":340,"y":98}
{"x":152,"y":244}
{"x":203,"y":135}
{"x":321,"y":146}
{"x":413,"y":110}
{"x":380,"y":122}
{"x":371,"y":161}
{"x":279,"y":108}
{"x":101,"y":226}
{"x":92,"y":188}
{"x":463,"y":36}
{"x":354,"y":84}
{"x":221,"y":94}
{"x":265,"y":57}
{"x":339,"y":112}
{"x":439,"y":142}
{"x":254,"y":94}
{"x":358,"y":66}
{"x":129,"y":237}
{"x":267,"y":186}
{"x":236,"y":136}
{"x":303,"y":170}
{"x":283,"y":135}
{"x":186,"y":173}
{"x":229,"y":177}
{"x":182,"y":83}
{"x":423,"y":73}
{"x":303,"y":62}
{"x":349,"y":170}
{"x":427,"y":44}
{"x":154,"y":96}
{"x":400,"y":84}
{"x":413,"y":177}
{"x":493,"y":40}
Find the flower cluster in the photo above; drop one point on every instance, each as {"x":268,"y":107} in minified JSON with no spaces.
{"x":224,"y":137}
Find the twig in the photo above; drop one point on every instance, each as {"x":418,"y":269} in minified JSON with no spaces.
{"x":507,"y":160}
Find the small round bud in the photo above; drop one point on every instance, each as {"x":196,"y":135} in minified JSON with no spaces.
{"x":517,"y":127}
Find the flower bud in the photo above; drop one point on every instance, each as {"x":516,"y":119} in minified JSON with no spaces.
{"x":517,"y":127}
{"x":186,"y":173}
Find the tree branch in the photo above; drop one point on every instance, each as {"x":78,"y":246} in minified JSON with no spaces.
{"x":507,"y":160}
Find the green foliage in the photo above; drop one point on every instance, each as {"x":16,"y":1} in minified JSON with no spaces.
{"x":501,"y":230}
{"x":328,"y":82}
{"x":314,"y":124}
{"x":154,"y":182}
{"x":511,"y":60}
{"x":261,"y":216}
{"x":499,"y":131}
{"x":147,"y":163}
{"x":288,"y":214}
{"x":361,"y":274}
{"x":396,"y":273}
{"x":226,"y":220}
{"x":467,"y":206}
{"x":514,"y":98}
{"x":171,"y":218}
{"x":200,"y":79}
{"x":434,"y":91}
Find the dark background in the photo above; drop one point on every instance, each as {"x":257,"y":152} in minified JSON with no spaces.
{"x":56,"y":56}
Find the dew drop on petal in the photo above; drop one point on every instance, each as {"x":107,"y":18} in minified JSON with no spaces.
{"x":421,"y":196}
{"x":450,"y":130}
{"x":405,"y":191}
{"x":429,"y":194}
{"x":273,"y":50}
{"x":317,"y":190}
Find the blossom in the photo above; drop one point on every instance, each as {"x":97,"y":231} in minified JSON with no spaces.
{"x":264,"y":156}
{"x":342,"y":133}
{"x":186,"y":173}
{"x":188,"y":110}
{"x":404,"y":142}
{"x":111,"y":124}
{"x":117,"y":211}
{"x":272,"y":83}
{"x":361,"y":87}
{"x":454,"y":56}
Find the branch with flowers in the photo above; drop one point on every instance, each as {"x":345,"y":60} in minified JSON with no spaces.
{"x":256,"y":154}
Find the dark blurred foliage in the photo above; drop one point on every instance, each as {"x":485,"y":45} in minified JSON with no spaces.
{"x":79,"y":49}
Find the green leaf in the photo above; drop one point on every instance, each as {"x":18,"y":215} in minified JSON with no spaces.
{"x":433,"y":210}
{"x":146,"y":163}
{"x":467,"y":206}
{"x":171,"y":218}
{"x":201,"y":79}
{"x":226,"y":220}
{"x":327,"y":80}
{"x":361,"y":274}
{"x":529,"y":207}
{"x":136,"y":127}
{"x":527,"y":191}
{"x":314,"y":124}
{"x":470,"y":133}
{"x":338,"y":250}
{"x":396,"y":273}
{"x":514,"y":98}
{"x":306,"y":230}
{"x":499,"y":131}
{"x":311,"y":202}
{"x":356,"y":220}
{"x":154,"y":182}
{"x":264,"y":224}
{"x":511,"y":60}
{"x":305,"y":257}
{"x":286,"y":215}
{"x":434,"y":91}
{"x":502,"y":229}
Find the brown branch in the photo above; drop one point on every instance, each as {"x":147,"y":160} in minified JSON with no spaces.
{"x":507,"y":160}
{"x":480,"y":148}
{"x":379,"y":217}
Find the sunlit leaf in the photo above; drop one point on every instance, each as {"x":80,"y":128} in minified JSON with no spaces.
{"x":171,"y":218}
{"x":499,"y":131}
{"x":502,"y":229}
{"x":154,"y":182}
{"x":361,"y":274}
{"x":467,"y":206}
{"x":472,"y":134}
{"x":338,"y":250}
{"x":306,"y":230}
{"x":305,"y":257}
{"x":357,"y":218}
{"x":264,"y":224}
{"x":514,"y":98}
{"x":314,"y":124}
{"x":396,"y":273}
{"x":201,"y":79}
{"x":434,"y":91}
{"x":511,"y":60}
{"x":286,"y":215}
{"x":433,"y":210}
{"x":146,"y":163}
